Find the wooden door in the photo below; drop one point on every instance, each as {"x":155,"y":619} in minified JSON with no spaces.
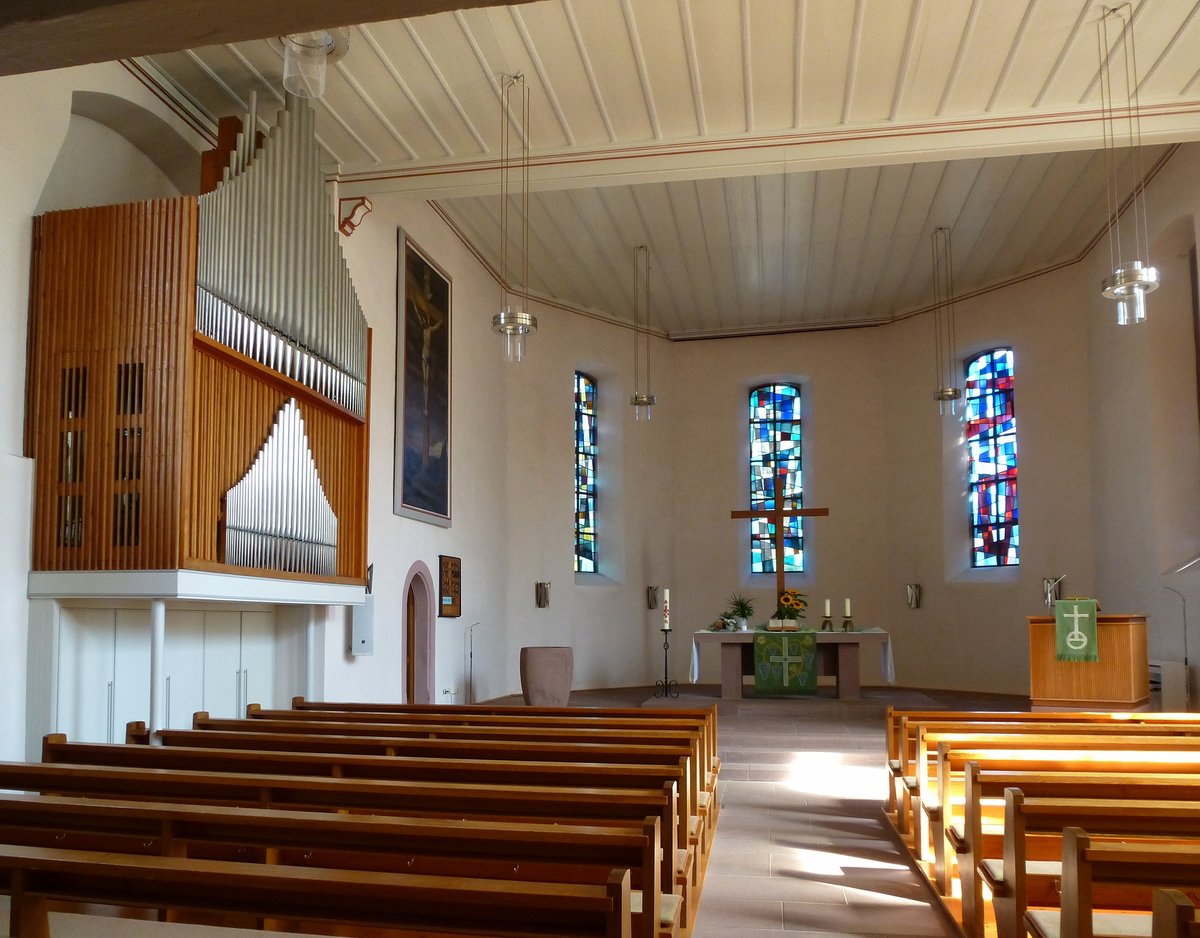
{"x":410,"y":633}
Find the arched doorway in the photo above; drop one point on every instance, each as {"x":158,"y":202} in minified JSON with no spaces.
{"x":420,"y":615}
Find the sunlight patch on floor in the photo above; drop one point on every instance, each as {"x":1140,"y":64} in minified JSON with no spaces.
{"x":832,"y":863}
{"x":828,"y":774}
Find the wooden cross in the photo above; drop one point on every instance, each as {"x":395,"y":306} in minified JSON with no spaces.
{"x":777,"y":516}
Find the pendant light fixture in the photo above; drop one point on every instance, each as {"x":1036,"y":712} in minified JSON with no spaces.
{"x":306,"y":57}
{"x":513,"y":321}
{"x":945,"y":347}
{"x":642,"y":400}
{"x":1131,"y":278}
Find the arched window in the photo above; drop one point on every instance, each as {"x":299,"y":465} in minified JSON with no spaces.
{"x":585,"y":473}
{"x":991,"y":439}
{"x":775,"y":446}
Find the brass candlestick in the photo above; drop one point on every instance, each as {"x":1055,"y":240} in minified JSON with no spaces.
{"x":848,"y":624}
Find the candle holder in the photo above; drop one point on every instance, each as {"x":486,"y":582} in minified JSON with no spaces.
{"x":848,"y":624}
{"x":666,"y":687}
{"x":827,"y":624}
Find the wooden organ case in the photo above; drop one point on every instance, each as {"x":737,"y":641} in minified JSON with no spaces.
{"x":198,"y":376}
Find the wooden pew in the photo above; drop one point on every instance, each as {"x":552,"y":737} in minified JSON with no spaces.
{"x":1173,"y":915}
{"x":901,"y":728}
{"x":57,"y":750}
{"x":704,"y":719}
{"x":698,"y":722}
{"x":979,"y":836}
{"x":1075,"y":752}
{"x":1033,"y":844}
{"x":699,"y":830}
{"x":686,"y":861}
{"x":921,"y":774}
{"x":1139,"y":867}
{"x":34,"y":876}
{"x":545,"y":852}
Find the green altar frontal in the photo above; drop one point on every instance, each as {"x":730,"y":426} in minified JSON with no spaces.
{"x":785,"y":664}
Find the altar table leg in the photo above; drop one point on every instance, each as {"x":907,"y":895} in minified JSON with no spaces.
{"x":847,"y":671}
{"x":731,"y":670}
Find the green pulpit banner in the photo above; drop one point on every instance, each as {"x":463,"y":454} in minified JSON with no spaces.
{"x":1075,"y":630}
{"x":785,"y":663}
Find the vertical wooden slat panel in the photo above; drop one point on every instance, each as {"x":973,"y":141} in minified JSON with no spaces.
{"x":105,"y":291}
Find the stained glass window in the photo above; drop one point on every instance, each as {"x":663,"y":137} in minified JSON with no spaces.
{"x":775,"y":446}
{"x":991,"y":439}
{"x":585,"y":473}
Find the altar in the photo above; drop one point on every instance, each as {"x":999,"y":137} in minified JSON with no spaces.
{"x":838,"y":653}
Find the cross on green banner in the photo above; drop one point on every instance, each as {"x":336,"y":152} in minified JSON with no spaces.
{"x":785,"y":663}
{"x":1075,"y":630}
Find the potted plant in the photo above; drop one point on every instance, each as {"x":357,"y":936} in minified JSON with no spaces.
{"x":741,"y":608}
{"x":792,"y":604}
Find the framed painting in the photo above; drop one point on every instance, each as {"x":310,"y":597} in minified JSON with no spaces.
{"x":449,"y":586}
{"x":423,"y":392}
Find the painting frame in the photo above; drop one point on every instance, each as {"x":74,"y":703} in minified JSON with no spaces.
{"x":449,"y":586}
{"x":424,"y":322}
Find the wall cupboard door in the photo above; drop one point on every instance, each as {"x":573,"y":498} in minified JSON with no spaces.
{"x":85,"y":675}
{"x":183,"y":664}
{"x":258,"y":659}
{"x":239,"y":661}
{"x":214,"y":660}
{"x":131,"y":669}
{"x":104,"y":673}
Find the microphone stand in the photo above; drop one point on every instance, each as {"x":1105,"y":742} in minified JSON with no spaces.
{"x":471,"y":659}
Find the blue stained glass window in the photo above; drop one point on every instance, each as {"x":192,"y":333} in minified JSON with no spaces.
{"x":991,"y":440}
{"x":775,"y":446}
{"x":585,"y":473}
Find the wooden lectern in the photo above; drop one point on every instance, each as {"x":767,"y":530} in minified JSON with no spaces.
{"x":1120,"y":680}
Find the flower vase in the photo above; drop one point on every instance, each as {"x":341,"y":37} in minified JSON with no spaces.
{"x":743,"y":624}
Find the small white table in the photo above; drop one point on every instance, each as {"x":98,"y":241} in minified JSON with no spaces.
{"x":837,"y":652}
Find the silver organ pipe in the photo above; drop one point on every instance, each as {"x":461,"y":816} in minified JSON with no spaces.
{"x":272,"y":283}
{"x":277,"y":515}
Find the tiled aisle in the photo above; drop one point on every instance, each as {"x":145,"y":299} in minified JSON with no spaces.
{"x":802,"y":844}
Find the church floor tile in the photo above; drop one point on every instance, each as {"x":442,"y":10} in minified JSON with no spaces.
{"x":802,"y":847}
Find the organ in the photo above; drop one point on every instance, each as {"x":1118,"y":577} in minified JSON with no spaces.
{"x":198,"y":387}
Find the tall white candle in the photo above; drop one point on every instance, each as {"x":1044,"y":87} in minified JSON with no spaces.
{"x":827,"y":609}
{"x":666,"y":610}
{"x":847,"y":607}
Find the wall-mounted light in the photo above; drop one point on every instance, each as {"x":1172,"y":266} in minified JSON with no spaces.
{"x":1052,"y":590}
{"x":651,"y":597}
{"x":541,"y":594}
{"x":351,"y":212}
{"x":912,"y":594}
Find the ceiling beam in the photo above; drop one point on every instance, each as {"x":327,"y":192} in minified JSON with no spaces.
{"x":36,"y":35}
{"x":768,"y":154}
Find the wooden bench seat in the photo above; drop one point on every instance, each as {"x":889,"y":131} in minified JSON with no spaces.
{"x":703,"y":719}
{"x":700,"y":832}
{"x":901,"y":728}
{"x":980,"y":833}
{"x":1139,"y":867}
{"x":1078,"y":753}
{"x":544,"y":852}
{"x":33,"y":876}
{"x":1173,"y":915}
{"x":1031,"y":867}
{"x":1044,"y":735}
{"x":56,"y":749}
{"x":686,"y":862}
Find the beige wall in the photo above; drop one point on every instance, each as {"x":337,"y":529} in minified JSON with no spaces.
{"x":1110,"y":462}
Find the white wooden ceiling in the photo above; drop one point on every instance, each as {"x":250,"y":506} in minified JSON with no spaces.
{"x":785,"y":161}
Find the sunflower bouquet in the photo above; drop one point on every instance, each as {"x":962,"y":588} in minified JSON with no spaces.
{"x":792,"y":604}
